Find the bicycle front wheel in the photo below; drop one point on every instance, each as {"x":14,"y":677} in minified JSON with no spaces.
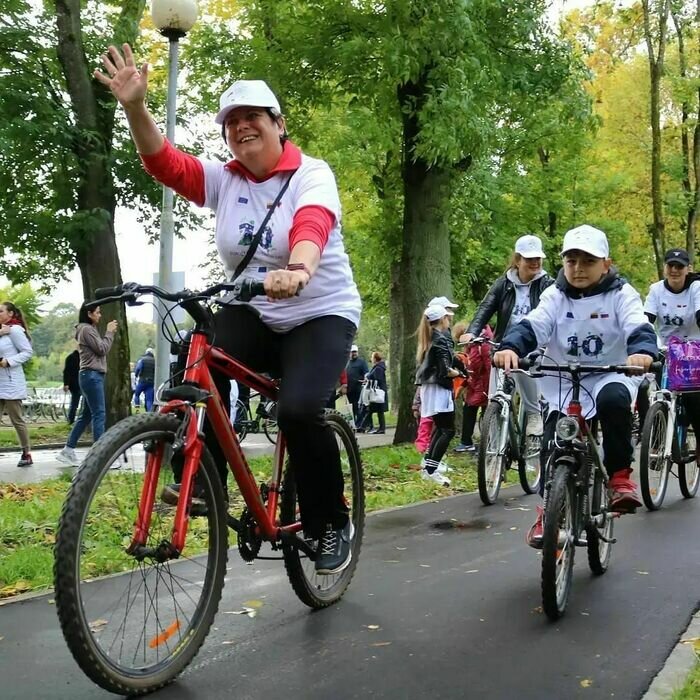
{"x":558,"y":544}
{"x":315,"y":590}
{"x":491,"y":462}
{"x":653,"y":461}
{"x":133,"y":625}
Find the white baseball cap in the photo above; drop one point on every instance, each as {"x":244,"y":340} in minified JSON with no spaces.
{"x":587,"y":238}
{"x":435,"y":312}
{"x":246,"y":93}
{"x":444,"y":301}
{"x":529,"y":247}
{"x":354,"y":348}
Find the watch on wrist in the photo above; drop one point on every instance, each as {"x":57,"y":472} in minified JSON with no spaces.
{"x":299,"y":266}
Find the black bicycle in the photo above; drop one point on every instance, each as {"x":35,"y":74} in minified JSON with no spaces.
{"x":263,"y":419}
{"x":576,"y":500}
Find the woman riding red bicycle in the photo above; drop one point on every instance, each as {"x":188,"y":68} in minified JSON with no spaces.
{"x":283,"y":206}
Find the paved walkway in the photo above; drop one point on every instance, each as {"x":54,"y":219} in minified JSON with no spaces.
{"x":46,"y":464}
{"x":444,"y":605}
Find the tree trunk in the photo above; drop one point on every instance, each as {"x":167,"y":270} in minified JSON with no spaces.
{"x":94,"y":242}
{"x":656,"y":70}
{"x":685,"y":141}
{"x":424,"y":267}
{"x":551,"y":214}
{"x":395,"y":332}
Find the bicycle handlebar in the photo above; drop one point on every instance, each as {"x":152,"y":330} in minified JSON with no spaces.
{"x":244,"y":290}
{"x":527,"y":364}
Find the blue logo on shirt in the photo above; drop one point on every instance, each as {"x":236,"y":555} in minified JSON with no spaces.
{"x":243,"y":200}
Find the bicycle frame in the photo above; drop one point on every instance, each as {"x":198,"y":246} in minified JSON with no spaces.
{"x":201,"y":357}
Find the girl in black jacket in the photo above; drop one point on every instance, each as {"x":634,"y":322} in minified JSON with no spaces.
{"x":435,"y":372}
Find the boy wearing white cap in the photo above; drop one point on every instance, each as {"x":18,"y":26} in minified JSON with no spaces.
{"x":435,"y":359}
{"x":593,"y":315}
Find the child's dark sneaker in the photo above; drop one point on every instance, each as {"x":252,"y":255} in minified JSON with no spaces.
{"x":25,"y":460}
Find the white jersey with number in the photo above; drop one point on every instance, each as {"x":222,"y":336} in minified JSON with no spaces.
{"x":241,"y":205}
{"x":675,"y":312}
{"x":591,"y":330}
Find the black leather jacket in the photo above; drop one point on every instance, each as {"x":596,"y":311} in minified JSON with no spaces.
{"x":437,"y":361}
{"x":500,"y":300}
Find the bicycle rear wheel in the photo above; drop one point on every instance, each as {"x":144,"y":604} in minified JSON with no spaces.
{"x":133,"y":626}
{"x":492,"y":458}
{"x":653,"y":462}
{"x":242,"y":420}
{"x":558,"y":544}
{"x":599,"y":551}
{"x":315,"y":590}
{"x":688,"y":472}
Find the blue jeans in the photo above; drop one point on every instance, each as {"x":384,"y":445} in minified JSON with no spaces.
{"x":145,"y":388}
{"x":92,"y":386}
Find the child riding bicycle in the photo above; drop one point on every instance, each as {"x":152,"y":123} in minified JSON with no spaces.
{"x":591,"y":314}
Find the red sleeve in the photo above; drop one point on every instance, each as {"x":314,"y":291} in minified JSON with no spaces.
{"x":312,"y":223}
{"x":179,"y":170}
{"x":343,"y":378}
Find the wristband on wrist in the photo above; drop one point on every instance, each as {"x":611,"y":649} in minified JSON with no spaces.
{"x":299,"y":266}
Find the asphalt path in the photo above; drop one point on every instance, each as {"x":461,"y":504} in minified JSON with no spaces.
{"x":445,"y":604}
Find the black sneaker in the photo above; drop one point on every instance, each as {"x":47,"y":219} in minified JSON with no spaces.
{"x":171,"y":495}
{"x":25,"y":460}
{"x":334,"y":550}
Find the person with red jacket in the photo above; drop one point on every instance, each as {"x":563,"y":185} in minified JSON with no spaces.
{"x":477,"y":390}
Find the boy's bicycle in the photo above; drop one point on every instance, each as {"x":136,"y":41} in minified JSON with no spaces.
{"x":667,"y":439}
{"x":504,"y":440}
{"x":134,"y":632}
{"x":576,"y":498}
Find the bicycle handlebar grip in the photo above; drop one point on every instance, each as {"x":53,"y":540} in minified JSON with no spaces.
{"x":249,"y":289}
{"x":656,"y":366}
{"x":104,"y":292}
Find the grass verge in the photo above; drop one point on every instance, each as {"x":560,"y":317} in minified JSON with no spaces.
{"x":29,"y":513}
{"x":691,"y":689}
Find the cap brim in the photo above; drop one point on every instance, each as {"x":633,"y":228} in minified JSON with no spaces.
{"x":678,"y":261}
{"x":591,"y":250}
{"x":221,"y":115}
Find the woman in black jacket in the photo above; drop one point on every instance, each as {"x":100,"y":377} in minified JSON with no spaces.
{"x":377,"y":374}
{"x":511,"y":297}
{"x":435,"y":358}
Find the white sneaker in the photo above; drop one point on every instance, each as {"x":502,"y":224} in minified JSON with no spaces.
{"x":443,"y":467}
{"x":436,"y":476}
{"x":67,"y":456}
{"x":534,"y":424}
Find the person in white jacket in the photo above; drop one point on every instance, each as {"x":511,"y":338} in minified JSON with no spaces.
{"x":15,"y":350}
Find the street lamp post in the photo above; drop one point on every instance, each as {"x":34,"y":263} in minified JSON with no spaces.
{"x":173,"y":18}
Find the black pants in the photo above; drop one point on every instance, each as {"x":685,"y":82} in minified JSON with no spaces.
{"x":443,"y":432}
{"x":614,"y":415}
{"x":354,"y":399}
{"x":469,"y":414}
{"x":309,"y":360}
{"x":372,"y":409}
{"x":74,"y":403}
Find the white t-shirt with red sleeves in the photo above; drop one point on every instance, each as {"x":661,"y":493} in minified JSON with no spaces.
{"x":241,"y":205}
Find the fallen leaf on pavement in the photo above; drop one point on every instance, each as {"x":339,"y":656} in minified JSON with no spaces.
{"x":472,"y":571}
{"x":643,"y":573}
{"x":380,"y":644}
{"x":97,"y":624}
{"x":253,"y":604}
{"x":425,"y":566}
{"x":586,"y":683}
{"x":372,"y":627}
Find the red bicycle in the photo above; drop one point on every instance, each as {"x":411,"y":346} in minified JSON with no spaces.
{"x":136,"y":631}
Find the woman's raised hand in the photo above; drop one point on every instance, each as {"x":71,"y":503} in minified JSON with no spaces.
{"x":126,"y":82}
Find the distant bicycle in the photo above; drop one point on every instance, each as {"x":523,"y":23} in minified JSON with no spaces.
{"x":667,"y":439}
{"x":504,"y":440}
{"x":264,"y":420}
